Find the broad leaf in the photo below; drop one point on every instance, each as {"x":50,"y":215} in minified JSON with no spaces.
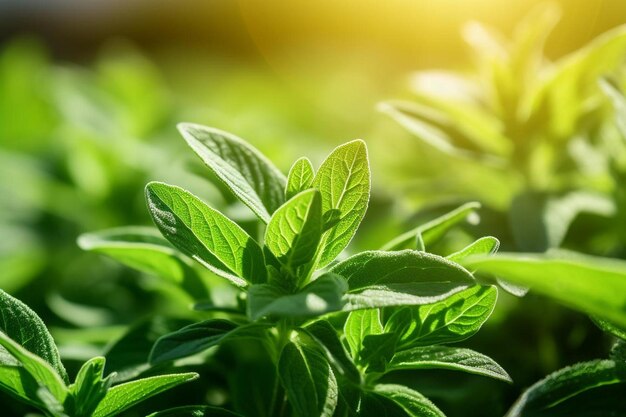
{"x":594,"y":285}
{"x":308,"y":380}
{"x":19,"y":383}
{"x":205,"y":234}
{"x":39,"y":371}
{"x":241,"y":167}
{"x":24,"y":326}
{"x":343,"y":180}
{"x":326,"y":336}
{"x":451,"y":320}
{"x":294,"y":231}
{"x":321,"y":296}
{"x":443,"y":357}
{"x":359,"y":324}
{"x":565,"y":384}
{"x":433,"y":230}
{"x":124,"y":396}
{"x":414,"y":403}
{"x":195,"y":411}
{"x":372,"y":268}
{"x":141,"y":248}
{"x":300,"y":177}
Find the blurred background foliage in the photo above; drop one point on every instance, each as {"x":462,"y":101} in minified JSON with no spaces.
{"x":511,"y":113}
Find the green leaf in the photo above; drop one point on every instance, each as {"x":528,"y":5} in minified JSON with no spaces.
{"x":372,"y":268}
{"x":300,"y":177}
{"x":484,"y":246}
{"x":308,"y":380}
{"x":141,"y":248}
{"x":24,"y":326}
{"x":321,"y":296}
{"x":451,"y":320}
{"x":433,"y":230}
{"x":19,"y":383}
{"x":444,"y":357}
{"x":294,"y":231}
{"x":594,"y":285}
{"x":565,"y":384}
{"x":39,"y":370}
{"x":205,"y":234}
{"x":195,"y":411}
{"x":191,"y":339}
{"x":123,"y":396}
{"x":241,"y":167}
{"x":414,"y":403}
{"x":377,"y":351}
{"x":613,"y":92}
{"x":607,"y":326}
{"x":361,"y":323}
{"x":343,"y":180}
{"x":326,"y":336}
{"x":89,"y":389}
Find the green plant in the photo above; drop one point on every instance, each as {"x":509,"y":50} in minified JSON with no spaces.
{"x":31,"y":371}
{"x":398,"y":308}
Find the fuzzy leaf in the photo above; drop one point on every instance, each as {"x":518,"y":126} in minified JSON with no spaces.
{"x":451,"y":320}
{"x":361,"y":323}
{"x":308,"y":380}
{"x":444,"y":357}
{"x":24,"y":326}
{"x":300,"y":177}
{"x":590,"y":284}
{"x":241,"y":167}
{"x":123,"y":396}
{"x":195,"y":411}
{"x":89,"y":389}
{"x":343,"y":180}
{"x":412,"y":402}
{"x":295,"y":229}
{"x":205,"y":234}
{"x":484,"y":246}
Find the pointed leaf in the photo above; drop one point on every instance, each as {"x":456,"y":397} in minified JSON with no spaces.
{"x":451,"y":320}
{"x":89,"y":389}
{"x":195,"y":411}
{"x":205,"y":234}
{"x":414,"y":403}
{"x":24,"y":326}
{"x":300,"y":177}
{"x":361,"y":323}
{"x":343,"y":180}
{"x":611,"y":328}
{"x":325,"y":334}
{"x":377,"y":351}
{"x":308,"y":380}
{"x":443,"y":357}
{"x":124,"y":396}
{"x":241,"y":167}
{"x":295,"y":229}
{"x":484,"y":246}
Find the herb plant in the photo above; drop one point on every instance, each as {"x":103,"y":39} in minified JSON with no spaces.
{"x":329,"y":325}
{"x":31,"y":371}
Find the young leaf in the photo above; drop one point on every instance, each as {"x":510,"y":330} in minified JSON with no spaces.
{"x":565,"y":384}
{"x":89,"y":388}
{"x":319,"y":297}
{"x":241,"y":167}
{"x":24,"y":326}
{"x":38,"y":370}
{"x":590,"y":284}
{"x":195,"y":411}
{"x":308,"y":380}
{"x":300,"y":177}
{"x":433,"y":230}
{"x":414,"y":403}
{"x":443,"y":357}
{"x":371,"y":268}
{"x":484,"y":246}
{"x":124,"y":396}
{"x":141,"y":248}
{"x":377,"y":351}
{"x":326,"y":336}
{"x":205,"y":234}
{"x":344,"y":183}
{"x":451,"y":320}
{"x":361,"y":323}
{"x":295,"y":229}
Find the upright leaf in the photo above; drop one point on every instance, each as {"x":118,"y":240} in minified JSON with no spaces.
{"x":124,"y":396}
{"x":308,"y":380}
{"x":300,"y":177}
{"x":89,"y":388}
{"x":24,"y":326}
{"x":241,"y":167}
{"x":326,"y":336}
{"x":205,"y":234}
{"x":361,"y":323}
{"x":377,"y":351}
{"x":343,"y":180}
{"x":295,"y":229}
{"x":590,"y":284}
